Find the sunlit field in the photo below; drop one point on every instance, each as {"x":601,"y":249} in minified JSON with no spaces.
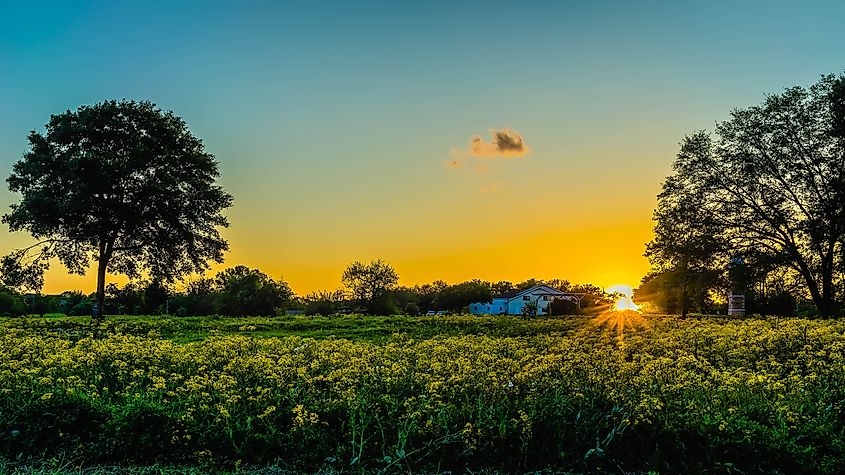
{"x":404,"y":394}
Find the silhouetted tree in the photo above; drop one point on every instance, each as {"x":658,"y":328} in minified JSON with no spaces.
{"x":128,"y":300}
{"x":323,"y":302}
{"x":687,"y":245}
{"x":527,"y":284}
{"x":243,"y":291}
{"x":138,"y":298}
{"x":456,"y":298}
{"x":561,"y":306}
{"x":74,"y":302}
{"x":426,"y":294}
{"x":121,"y":183}
{"x":412,"y":309}
{"x":156,"y":296}
{"x":502,"y":287}
{"x":773,"y":179}
{"x":771,"y":287}
{"x":678,"y":290}
{"x":11,"y":303}
{"x":199,"y":297}
{"x":405,"y":300}
{"x":369,"y":282}
{"x":595,"y":300}
{"x":560,"y":284}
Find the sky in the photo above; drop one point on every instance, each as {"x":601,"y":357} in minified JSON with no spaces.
{"x":367,"y":130}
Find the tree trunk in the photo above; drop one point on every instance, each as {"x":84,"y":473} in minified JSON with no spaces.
{"x":822,"y":298}
{"x":818,"y":300}
{"x":102,"y":265}
{"x":684,"y":289}
{"x":825,"y":307}
{"x":828,"y":293}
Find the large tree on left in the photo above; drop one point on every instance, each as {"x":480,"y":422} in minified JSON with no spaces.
{"x":120,"y":183}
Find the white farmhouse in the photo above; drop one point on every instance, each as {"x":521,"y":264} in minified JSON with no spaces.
{"x":514,"y":303}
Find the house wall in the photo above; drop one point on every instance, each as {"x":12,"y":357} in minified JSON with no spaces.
{"x":516,"y":305}
{"x":497,"y":307}
{"x":500,"y":306}
{"x":543,"y":305}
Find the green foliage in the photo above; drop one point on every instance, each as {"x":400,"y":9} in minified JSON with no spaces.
{"x":244,"y":291}
{"x":385,"y":304}
{"x":375,"y":329}
{"x":137,"y":298}
{"x":323,"y":302}
{"x":411,"y":309}
{"x":11,"y":303}
{"x":425,"y":295}
{"x":680,"y":290}
{"x":781,"y":303}
{"x":320,"y":307}
{"x":74,"y":303}
{"x":369,"y":283}
{"x":199,"y":298}
{"x":595,"y":300}
{"x":564,"y":307}
{"x":456,"y":298}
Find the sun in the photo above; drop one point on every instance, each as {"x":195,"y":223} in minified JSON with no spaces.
{"x":624,"y":315}
{"x":625,"y":304}
{"x":624,"y":289}
{"x":626,"y":301}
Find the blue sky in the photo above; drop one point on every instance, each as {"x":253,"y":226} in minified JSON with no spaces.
{"x":334,"y":121}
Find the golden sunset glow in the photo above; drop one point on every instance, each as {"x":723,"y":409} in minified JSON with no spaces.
{"x":620,"y":321}
{"x":582,"y":252}
{"x":624,"y":314}
{"x":625,"y":304}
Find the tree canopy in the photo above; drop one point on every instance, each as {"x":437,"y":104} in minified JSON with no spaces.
{"x":244,"y":291}
{"x":458,"y":297}
{"x":770,"y":180}
{"x":122,"y":183}
{"x":369,"y":282}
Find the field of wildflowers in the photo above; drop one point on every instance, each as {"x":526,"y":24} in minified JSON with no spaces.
{"x":661,"y":393}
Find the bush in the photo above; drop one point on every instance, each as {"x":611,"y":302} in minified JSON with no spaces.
{"x":320,"y":307}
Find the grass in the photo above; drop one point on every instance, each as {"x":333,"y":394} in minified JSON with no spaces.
{"x":350,"y":327}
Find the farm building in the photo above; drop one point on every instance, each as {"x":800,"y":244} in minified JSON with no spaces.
{"x":514,"y":303}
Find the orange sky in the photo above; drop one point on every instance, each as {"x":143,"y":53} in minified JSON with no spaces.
{"x":605,"y":256}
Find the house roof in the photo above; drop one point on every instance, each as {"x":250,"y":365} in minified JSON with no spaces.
{"x":506,"y":295}
{"x":545,"y":288}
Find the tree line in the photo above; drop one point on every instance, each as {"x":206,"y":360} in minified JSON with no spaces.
{"x":368,"y":288}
